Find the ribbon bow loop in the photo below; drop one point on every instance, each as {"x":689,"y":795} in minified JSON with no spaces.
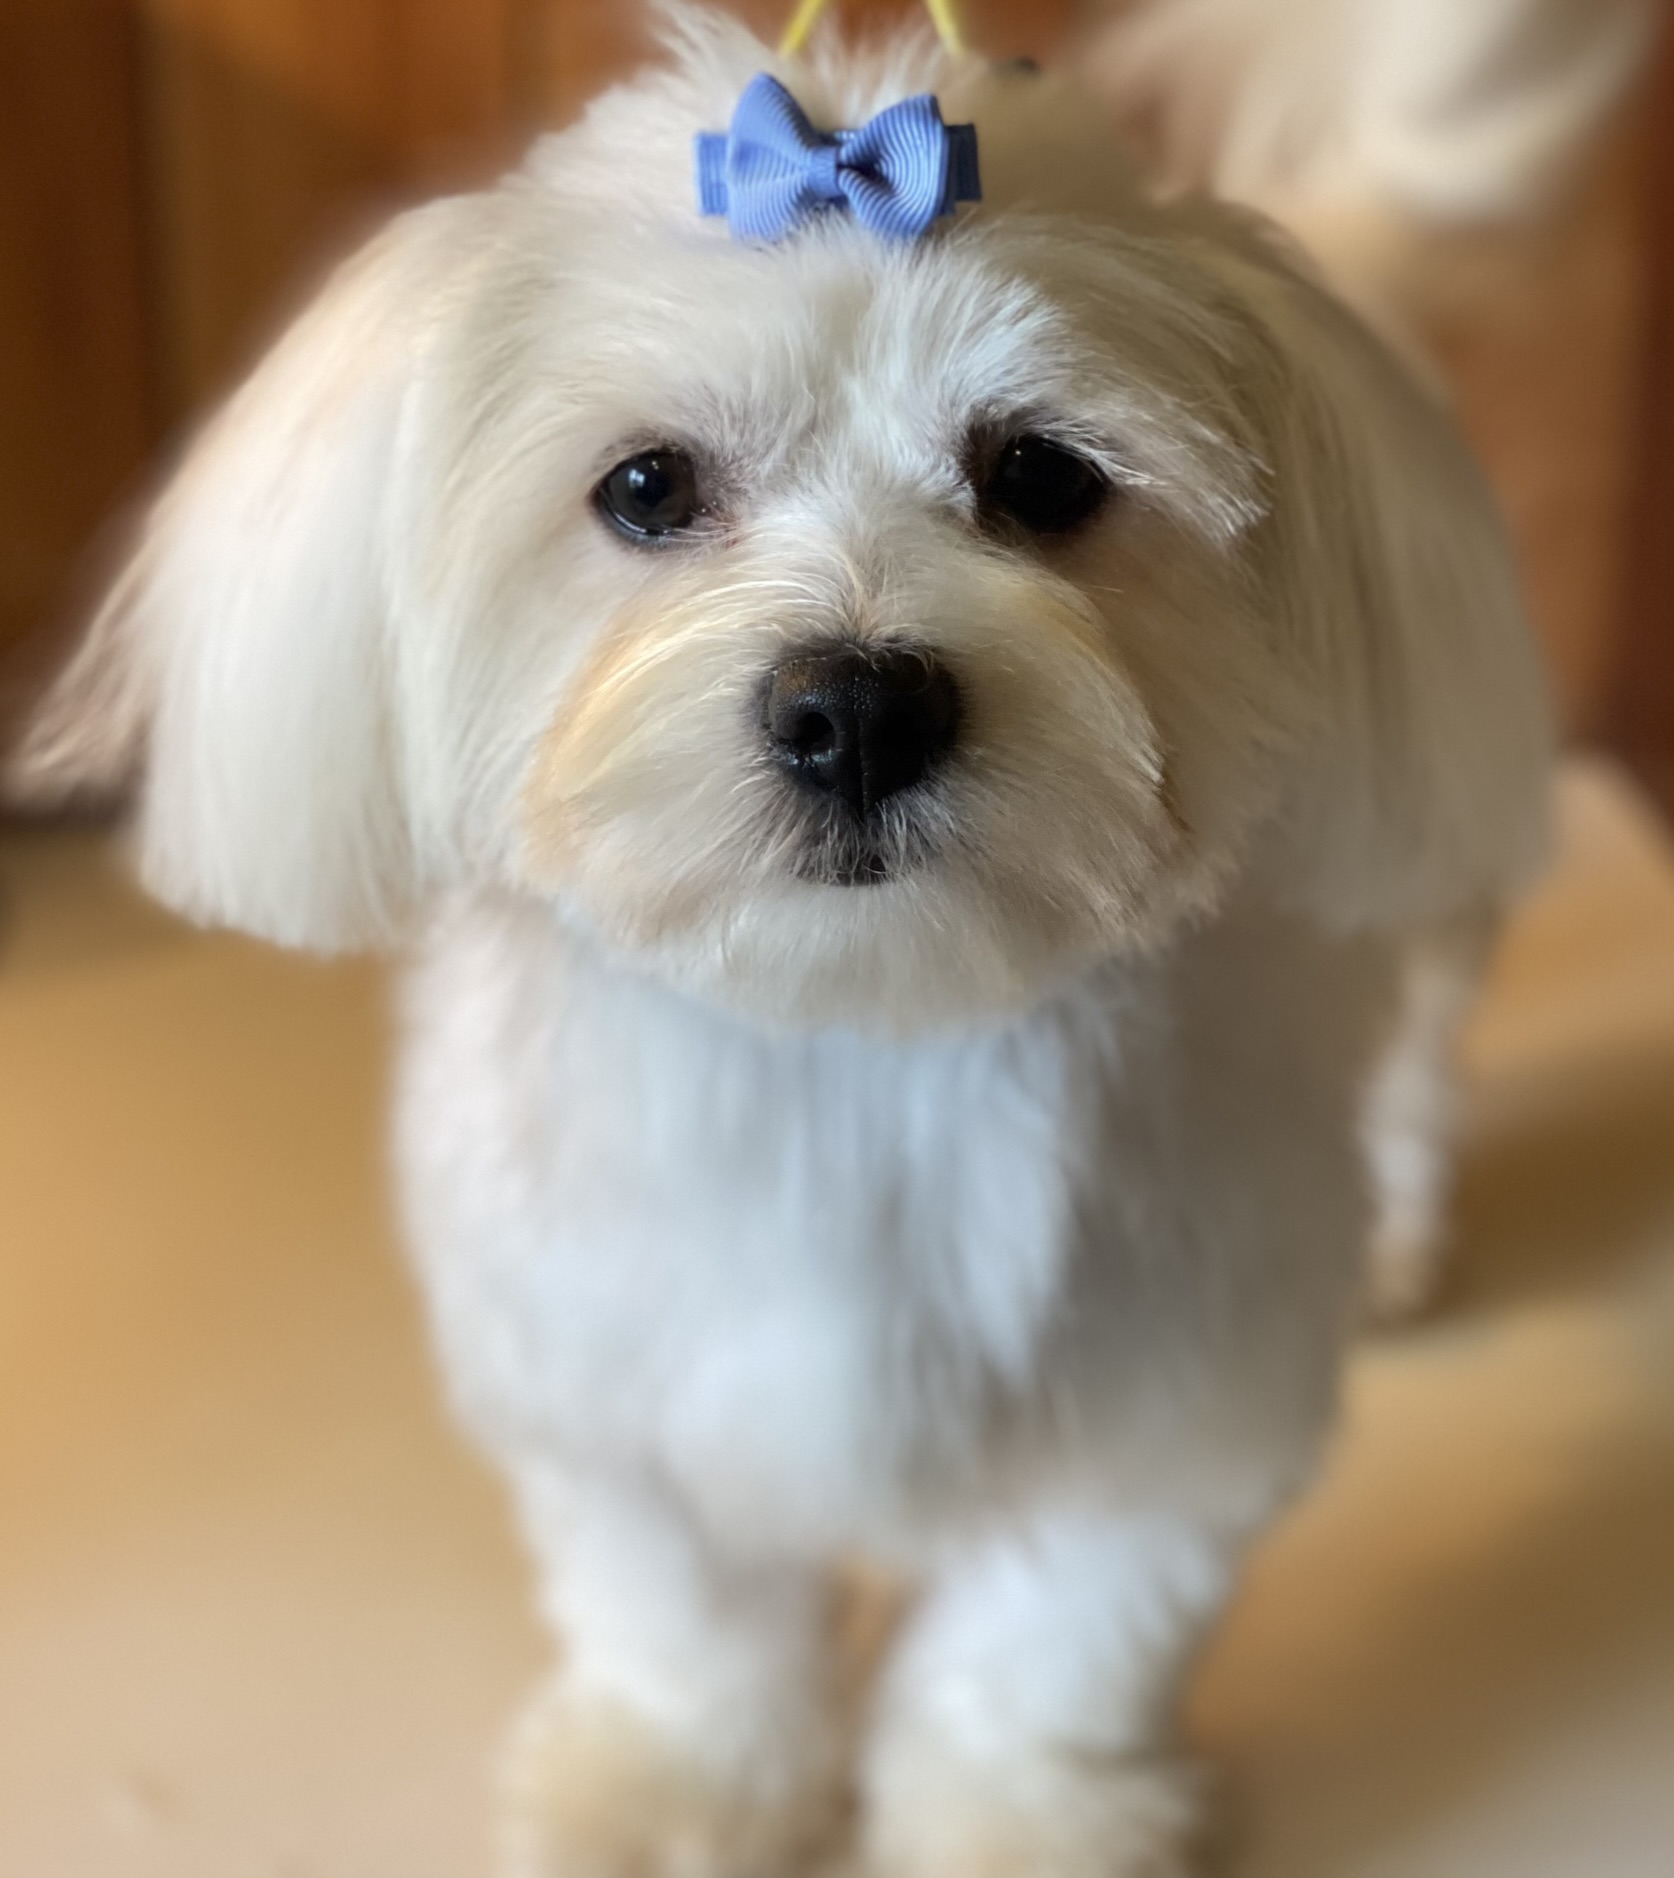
{"x":772,"y":170}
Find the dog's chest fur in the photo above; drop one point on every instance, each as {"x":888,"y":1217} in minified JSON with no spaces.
{"x":821,"y":1280}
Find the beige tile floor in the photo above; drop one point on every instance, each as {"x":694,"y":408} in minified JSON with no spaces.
{"x":260,"y":1616}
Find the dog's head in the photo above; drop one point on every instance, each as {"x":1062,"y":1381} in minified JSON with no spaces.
{"x":844,"y":630}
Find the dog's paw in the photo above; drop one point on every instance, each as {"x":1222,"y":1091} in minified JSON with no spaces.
{"x":592,"y":1791}
{"x":1059,"y":1816}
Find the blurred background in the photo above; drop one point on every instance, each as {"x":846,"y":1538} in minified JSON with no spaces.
{"x":259,"y":1612}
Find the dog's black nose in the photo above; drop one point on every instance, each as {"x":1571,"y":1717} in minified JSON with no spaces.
{"x":861,"y":722}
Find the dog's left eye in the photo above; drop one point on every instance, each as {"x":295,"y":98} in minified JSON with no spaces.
{"x":1041,"y":485}
{"x":650,"y":496}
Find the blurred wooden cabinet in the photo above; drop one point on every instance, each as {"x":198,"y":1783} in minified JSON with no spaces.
{"x":77,"y":411}
{"x":174,"y":172}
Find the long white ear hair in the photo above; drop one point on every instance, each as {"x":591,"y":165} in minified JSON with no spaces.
{"x":1424,"y":788}
{"x":239,"y":672}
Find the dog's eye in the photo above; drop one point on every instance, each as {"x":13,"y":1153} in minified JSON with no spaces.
{"x":650,"y":496}
{"x":1043,"y":486}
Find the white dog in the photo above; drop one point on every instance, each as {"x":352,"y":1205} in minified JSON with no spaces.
{"x":916,"y":764}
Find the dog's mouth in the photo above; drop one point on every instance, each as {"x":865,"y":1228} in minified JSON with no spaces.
{"x":862,"y":870}
{"x":840,"y":849}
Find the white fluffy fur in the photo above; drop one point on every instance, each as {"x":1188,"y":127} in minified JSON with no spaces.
{"x":1452,"y":112}
{"x":1372,"y":129}
{"x":1000,"y":1222}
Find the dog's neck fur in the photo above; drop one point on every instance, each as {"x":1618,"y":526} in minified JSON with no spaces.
{"x":965,"y":1221}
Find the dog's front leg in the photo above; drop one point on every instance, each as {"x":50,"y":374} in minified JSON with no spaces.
{"x":690,"y":1730}
{"x":1024,"y":1727}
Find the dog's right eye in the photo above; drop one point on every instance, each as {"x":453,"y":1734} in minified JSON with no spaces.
{"x":1042,"y":485}
{"x":650,"y":496}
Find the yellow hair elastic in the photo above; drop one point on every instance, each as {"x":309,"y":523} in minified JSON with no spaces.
{"x":943,"y":16}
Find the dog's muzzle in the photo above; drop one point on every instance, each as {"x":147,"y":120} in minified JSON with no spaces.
{"x":858,"y":725}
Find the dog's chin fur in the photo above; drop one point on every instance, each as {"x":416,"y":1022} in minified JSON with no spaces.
{"x":1014,"y":1234}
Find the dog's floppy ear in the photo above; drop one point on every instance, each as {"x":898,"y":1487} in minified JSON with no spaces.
{"x":1424,"y":789}
{"x":239,"y":671}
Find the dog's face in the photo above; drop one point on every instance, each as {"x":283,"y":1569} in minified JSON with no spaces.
{"x":900,"y":664}
{"x":841,"y":631}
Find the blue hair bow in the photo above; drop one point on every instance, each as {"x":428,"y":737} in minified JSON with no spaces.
{"x":896,"y":174}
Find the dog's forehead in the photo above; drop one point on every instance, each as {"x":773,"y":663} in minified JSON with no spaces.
{"x":945,"y":321}
{"x":662,"y":305}
{"x":833,"y":337}
{"x":1064,"y":297}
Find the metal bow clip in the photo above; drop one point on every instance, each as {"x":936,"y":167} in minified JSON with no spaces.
{"x":896,"y":174}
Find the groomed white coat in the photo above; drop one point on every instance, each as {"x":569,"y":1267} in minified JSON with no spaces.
{"x":998,"y":1221}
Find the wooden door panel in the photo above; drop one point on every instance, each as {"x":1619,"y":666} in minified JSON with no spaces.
{"x":1640,"y":717}
{"x":76,"y":413}
{"x":279,"y":129}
